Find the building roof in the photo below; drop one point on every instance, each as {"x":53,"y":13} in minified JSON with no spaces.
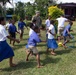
{"x":68,"y":4}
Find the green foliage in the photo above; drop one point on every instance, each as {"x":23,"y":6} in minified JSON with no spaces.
{"x":19,"y":10}
{"x":15,"y":17}
{"x":10,"y":11}
{"x":55,"y":12}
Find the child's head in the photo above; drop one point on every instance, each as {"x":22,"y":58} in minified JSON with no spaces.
{"x":36,"y":29}
{"x":52,"y":22}
{"x":31,"y":25}
{"x":49,"y":17}
{"x":34,"y":21}
{"x":71,"y":23}
{"x":10,"y":21}
{"x":13,"y":22}
{"x":21,"y":19}
{"x":2,"y":21}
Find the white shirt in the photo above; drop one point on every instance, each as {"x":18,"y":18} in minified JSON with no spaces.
{"x":31,"y":31}
{"x":61,"y":21}
{"x":52,"y":29}
{"x":47,"y":22}
{"x":3,"y":33}
{"x":7,"y":25}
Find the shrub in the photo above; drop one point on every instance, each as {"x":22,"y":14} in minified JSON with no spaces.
{"x":15,"y":17}
{"x":55,"y":12}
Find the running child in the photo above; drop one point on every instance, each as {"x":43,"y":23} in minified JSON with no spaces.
{"x":5,"y":50}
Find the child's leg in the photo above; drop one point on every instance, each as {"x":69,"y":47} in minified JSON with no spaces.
{"x":38,"y":60}
{"x":52,"y":52}
{"x":11,"y":62}
{"x":13,"y":43}
{"x":28,"y":54}
{"x":47,"y":50}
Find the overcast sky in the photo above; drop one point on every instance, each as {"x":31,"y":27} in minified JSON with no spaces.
{"x":63,"y":1}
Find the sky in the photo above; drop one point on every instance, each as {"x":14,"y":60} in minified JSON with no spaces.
{"x":63,"y":1}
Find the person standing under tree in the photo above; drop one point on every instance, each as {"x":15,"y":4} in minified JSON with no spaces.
{"x":38,"y":19}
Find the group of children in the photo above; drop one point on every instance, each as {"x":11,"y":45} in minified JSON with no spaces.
{"x":34,"y":38}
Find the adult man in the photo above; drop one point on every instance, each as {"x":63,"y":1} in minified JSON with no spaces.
{"x":38,"y":19}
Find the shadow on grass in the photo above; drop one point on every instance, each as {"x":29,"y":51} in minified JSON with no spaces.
{"x":19,"y":46}
{"x":60,"y":52}
{"x":49,"y":60}
{"x":21,"y":65}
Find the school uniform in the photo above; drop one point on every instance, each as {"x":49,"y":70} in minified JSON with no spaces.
{"x":32,"y":42}
{"x":47,"y":22}
{"x":12,"y":30}
{"x":51,"y":42}
{"x":5,"y":50}
{"x":21,"y":26}
{"x":65,"y":32}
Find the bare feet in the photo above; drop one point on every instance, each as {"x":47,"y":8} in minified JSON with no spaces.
{"x":39,"y":66}
{"x":13,"y":65}
{"x":53,"y":53}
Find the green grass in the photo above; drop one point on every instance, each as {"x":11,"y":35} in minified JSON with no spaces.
{"x":62,"y":64}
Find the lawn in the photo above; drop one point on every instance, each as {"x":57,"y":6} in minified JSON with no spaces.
{"x":64,"y":63}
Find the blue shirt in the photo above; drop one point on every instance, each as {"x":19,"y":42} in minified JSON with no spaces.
{"x":21,"y":25}
{"x":12,"y":28}
{"x":33,"y":39}
{"x":65,"y":32}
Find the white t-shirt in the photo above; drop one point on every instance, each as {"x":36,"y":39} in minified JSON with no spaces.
{"x":31,"y":31}
{"x":3,"y":33}
{"x":61,"y":21}
{"x":7,"y":25}
{"x":52,"y":29}
{"x":47,"y":22}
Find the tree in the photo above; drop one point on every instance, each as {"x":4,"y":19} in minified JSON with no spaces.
{"x":9,"y":11}
{"x":29,"y":9}
{"x":19,"y":9}
{"x":42,"y":6}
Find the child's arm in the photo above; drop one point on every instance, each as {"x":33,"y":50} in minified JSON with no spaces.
{"x":51,"y":32}
{"x":9,"y":37}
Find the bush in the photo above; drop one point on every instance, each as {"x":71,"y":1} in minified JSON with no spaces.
{"x":55,"y":12}
{"x":15,"y":17}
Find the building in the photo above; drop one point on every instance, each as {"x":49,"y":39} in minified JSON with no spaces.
{"x":69,"y":10}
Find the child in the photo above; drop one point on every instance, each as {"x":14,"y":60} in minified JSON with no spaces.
{"x":21,"y":25}
{"x":51,"y":42}
{"x":66,"y":33}
{"x":7,"y":25}
{"x":12,"y":31}
{"x":5,"y":50}
{"x":32,"y":42}
{"x":32,"y":26}
{"x":47,"y":22}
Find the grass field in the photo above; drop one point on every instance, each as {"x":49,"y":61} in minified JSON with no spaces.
{"x":64,"y":63}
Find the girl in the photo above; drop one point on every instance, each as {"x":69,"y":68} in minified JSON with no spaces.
{"x":5,"y":50}
{"x":51,"y":42}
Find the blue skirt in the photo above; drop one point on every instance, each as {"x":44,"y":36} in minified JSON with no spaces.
{"x":51,"y":43}
{"x":5,"y":51}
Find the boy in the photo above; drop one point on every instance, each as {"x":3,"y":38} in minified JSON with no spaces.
{"x":32,"y":42}
{"x":66,"y":33}
{"x":12,"y":31}
{"x":21,"y":25}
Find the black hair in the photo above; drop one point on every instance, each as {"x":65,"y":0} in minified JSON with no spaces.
{"x":70,"y":22}
{"x":52,"y":22}
{"x":33,"y":20}
{"x":31,"y":25}
{"x":35,"y":28}
{"x":1,"y":19}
